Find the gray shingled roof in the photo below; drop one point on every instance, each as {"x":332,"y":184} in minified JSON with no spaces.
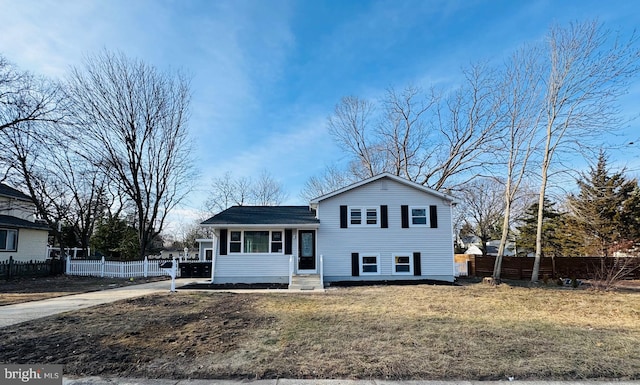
{"x":11,"y":221}
{"x":12,"y":193}
{"x":264,"y":215}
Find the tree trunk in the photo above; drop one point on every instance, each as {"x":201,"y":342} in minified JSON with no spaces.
{"x":543,"y":190}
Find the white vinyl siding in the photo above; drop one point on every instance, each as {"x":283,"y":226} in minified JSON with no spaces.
{"x":256,"y":268}
{"x":336,"y":244}
{"x":32,"y":245}
{"x":248,"y":265}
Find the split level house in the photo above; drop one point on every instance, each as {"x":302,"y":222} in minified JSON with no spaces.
{"x":21,"y":235}
{"x":380,"y":229}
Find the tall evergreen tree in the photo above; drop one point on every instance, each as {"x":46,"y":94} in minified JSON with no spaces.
{"x":555,"y":241}
{"x":605,"y":211}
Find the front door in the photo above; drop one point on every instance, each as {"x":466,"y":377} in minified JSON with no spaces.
{"x":306,"y":250}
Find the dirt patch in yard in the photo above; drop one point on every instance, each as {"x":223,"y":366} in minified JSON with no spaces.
{"x":418,"y":332}
{"x":33,"y":289}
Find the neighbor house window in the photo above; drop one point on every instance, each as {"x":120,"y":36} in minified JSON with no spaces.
{"x":258,"y":241}
{"x":8,"y":240}
{"x":369,"y":264}
{"x":363,"y":216}
{"x":419,"y":216}
{"x":403,"y":263}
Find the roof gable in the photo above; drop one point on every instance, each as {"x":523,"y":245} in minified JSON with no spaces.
{"x":381,"y":176}
{"x":13,"y":193}
{"x":264,"y":215}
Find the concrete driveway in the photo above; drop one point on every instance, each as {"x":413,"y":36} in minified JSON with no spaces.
{"x":27,"y":311}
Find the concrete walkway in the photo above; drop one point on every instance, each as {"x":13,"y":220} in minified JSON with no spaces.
{"x":27,"y":311}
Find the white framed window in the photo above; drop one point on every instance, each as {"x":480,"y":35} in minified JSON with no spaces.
{"x":235,"y":242}
{"x":8,"y":240}
{"x":419,"y":216}
{"x":276,"y":242}
{"x":402,"y":263}
{"x":369,"y":264}
{"x":364,"y":216}
{"x":355,"y":216}
{"x":256,"y":242}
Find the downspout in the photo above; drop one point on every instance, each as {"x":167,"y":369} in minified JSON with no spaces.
{"x":214,"y":253}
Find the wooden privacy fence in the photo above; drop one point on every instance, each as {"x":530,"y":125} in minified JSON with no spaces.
{"x":115,"y":269}
{"x":559,"y":267}
{"x":13,"y":269}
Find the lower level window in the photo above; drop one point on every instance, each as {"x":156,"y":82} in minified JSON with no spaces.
{"x":8,"y":239}
{"x":402,"y":263}
{"x":369,"y":264}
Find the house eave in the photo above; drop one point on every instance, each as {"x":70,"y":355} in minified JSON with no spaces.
{"x":263,"y":226}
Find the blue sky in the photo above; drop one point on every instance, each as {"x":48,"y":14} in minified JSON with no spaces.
{"x":267,"y":73}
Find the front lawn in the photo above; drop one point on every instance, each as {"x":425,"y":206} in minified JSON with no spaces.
{"x":392,"y":332}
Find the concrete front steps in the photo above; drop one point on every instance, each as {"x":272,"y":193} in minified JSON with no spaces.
{"x":306,"y":282}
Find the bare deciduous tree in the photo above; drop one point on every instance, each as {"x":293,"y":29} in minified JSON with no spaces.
{"x":351,"y":127}
{"x":26,"y":98}
{"x":68,"y":192}
{"x":483,"y":202}
{"x":132,"y":119}
{"x":586,"y":74}
{"x":432,"y":140}
{"x":521,"y":97}
{"x":227,"y":191}
{"x":331,"y":179}
{"x":267,"y":191}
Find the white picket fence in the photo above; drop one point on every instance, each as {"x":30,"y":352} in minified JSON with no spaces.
{"x":116,"y":269}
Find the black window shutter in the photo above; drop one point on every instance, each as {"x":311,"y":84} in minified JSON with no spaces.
{"x":417,"y":268}
{"x":343,"y":217}
{"x":433,"y":216}
{"x":355,"y":264}
{"x":287,"y":242}
{"x":384,"y":220}
{"x":223,"y":241}
{"x":404,"y":211}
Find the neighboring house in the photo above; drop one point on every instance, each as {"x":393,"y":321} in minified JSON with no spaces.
{"x":382,"y":228}
{"x":21,"y":236}
{"x":177,"y":253}
{"x":492,"y":249}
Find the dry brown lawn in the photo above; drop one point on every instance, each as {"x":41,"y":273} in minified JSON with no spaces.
{"x":33,"y":289}
{"x":385,"y":332}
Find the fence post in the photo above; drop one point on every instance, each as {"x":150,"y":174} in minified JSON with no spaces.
{"x":10,"y":273}
{"x":102,"y":268}
{"x":146,"y":266}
